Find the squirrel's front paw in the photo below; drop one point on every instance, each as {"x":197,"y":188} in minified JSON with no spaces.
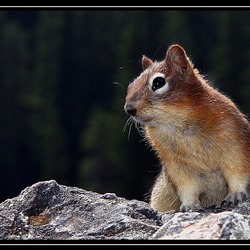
{"x":233,"y":199}
{"x":190,"y":208}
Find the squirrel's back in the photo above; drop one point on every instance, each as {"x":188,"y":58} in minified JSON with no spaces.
{"x":200,"y":136}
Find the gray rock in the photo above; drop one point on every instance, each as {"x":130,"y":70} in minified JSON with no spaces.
{"x":49,"y":211}
{"x":226,"y":225}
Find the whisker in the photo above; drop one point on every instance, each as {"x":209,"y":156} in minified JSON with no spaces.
{"x":117,"y":83}
{"x":126,"y":124}
{"x":129,"y":124}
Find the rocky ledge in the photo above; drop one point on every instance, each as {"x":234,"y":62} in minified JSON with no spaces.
{"x":49,"y":211}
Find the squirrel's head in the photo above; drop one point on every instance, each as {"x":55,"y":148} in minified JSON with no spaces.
{"x":162,"y":87}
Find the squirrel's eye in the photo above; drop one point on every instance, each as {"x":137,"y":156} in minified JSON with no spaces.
{"x":158,"y":83}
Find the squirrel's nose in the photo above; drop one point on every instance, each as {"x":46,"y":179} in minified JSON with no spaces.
{"x":130,"y":109}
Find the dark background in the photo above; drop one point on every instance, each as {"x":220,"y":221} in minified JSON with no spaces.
{"x":63,"y":80}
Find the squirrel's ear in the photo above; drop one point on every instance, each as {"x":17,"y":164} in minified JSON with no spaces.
{"x":146,"y":62}
{"x":177,"y":58}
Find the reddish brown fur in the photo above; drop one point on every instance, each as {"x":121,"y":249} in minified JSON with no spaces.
{"x":200,"y":136}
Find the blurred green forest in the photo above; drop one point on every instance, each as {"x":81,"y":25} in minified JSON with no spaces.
{"x":63,"y":80}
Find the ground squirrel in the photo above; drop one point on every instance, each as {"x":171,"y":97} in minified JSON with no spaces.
{"x":200,"y":136}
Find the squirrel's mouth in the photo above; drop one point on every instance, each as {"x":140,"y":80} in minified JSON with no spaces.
{"x":142,"y":119}
{"x":136,"y":114}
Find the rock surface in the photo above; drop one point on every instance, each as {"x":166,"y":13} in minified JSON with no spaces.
{"x":49,"y":211}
